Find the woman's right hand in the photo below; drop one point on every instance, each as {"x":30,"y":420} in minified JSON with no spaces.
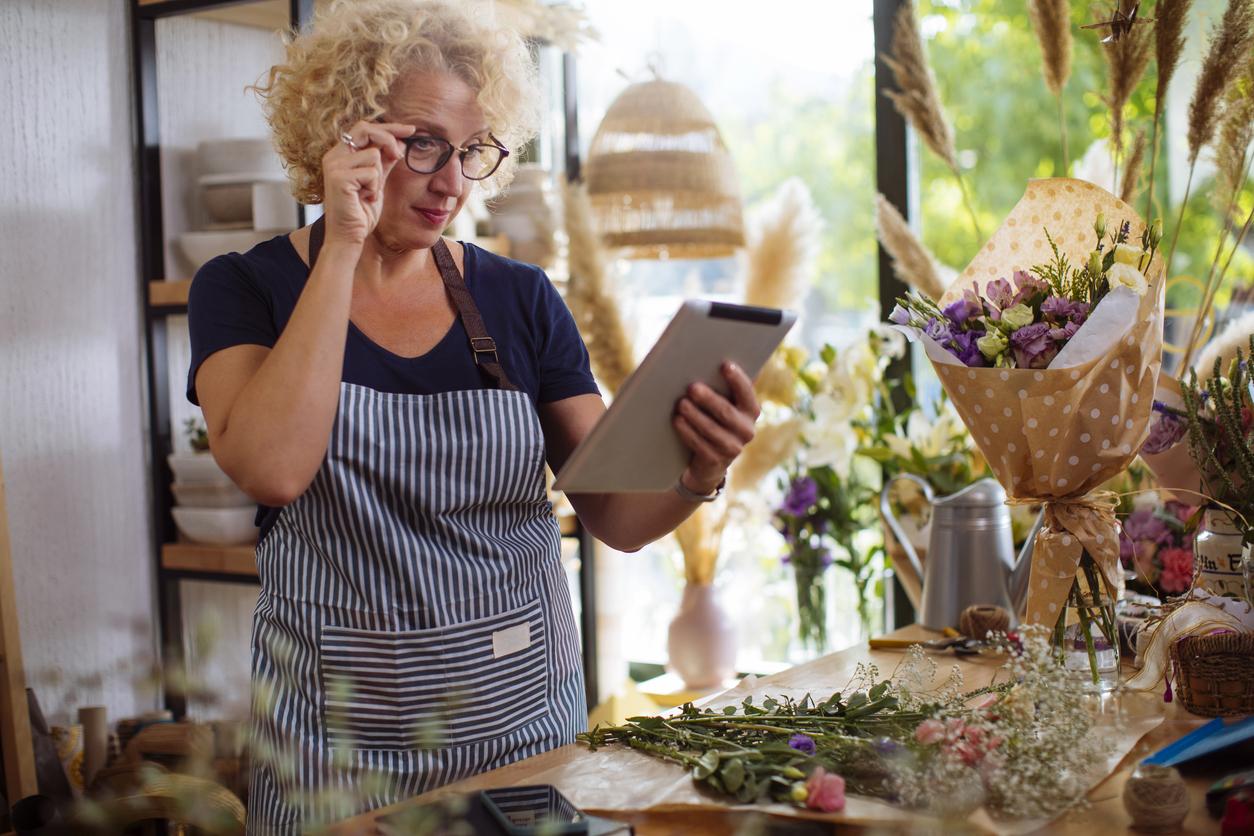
{"x":353,"y":179}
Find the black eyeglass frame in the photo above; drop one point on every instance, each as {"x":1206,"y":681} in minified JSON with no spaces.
{"x":447,"y":154}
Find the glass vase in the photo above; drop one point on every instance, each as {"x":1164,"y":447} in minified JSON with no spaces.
{"x":1217,"y":554}
{"x":1085,"y":637}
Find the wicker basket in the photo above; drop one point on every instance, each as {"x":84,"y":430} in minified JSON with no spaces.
{"x":660,"y":179}
{"x":1215,"y":674}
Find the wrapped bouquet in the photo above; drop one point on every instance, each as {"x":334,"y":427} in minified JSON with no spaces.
{"x":1049,"y":345}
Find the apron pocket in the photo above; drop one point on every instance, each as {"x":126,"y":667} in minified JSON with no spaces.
{"x":424,"y":689}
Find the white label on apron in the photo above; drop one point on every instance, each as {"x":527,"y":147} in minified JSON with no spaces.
{"x":511,"y":640}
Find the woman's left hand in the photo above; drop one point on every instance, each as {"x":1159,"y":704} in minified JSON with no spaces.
{"x":715,"y":428}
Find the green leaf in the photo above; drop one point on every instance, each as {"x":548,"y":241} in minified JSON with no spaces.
{"x":827,"y":354}
{"x":732,"y":774}
{"x":647,"y":722}
{"x":729,"y":710}
{"x":748,"y":790}
{"x":706,"y":766}
{"x":879,"y":691}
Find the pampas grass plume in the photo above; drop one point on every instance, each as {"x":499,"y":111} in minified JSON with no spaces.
{"x":912,"y":262}
{"x":1051,"y":19}
{"x":1235,"y":335}
{"x":1230,"y":46}
{"x":591,"y":300}
{"x":1132,"y":172}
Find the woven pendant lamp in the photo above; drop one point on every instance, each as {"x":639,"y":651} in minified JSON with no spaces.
{"x":660,"y":179}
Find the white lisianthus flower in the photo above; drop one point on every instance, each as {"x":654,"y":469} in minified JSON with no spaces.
{"x":1128,"y":254}
{"x":1125,"y":275}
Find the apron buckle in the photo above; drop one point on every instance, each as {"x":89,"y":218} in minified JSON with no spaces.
{"x":484,"y":345}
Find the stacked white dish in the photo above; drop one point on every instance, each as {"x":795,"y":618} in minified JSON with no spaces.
{"x":245,"y":197}
{"x":525,"y":214}
{"x":211,"y":510}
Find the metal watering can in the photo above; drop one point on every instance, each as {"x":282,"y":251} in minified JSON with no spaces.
{"x":970,"y":555}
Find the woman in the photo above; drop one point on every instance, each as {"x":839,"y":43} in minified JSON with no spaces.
{"x":394,"y":418}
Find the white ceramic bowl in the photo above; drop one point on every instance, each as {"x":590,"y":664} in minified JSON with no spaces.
{"x":229,"y":202}
{"x":199,"y":247}
{"x":217,"y":526}
{"x":197,"y":468}
{"x":210,"y":495}
{"x":222,"y":156}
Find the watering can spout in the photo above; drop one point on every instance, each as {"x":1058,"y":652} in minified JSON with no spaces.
{"x":1021,"y":571}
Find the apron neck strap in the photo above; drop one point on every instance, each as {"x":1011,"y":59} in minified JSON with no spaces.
{"x":482,"y":345}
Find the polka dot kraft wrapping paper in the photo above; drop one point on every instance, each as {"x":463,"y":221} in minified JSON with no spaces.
{"x":1054,"y":435}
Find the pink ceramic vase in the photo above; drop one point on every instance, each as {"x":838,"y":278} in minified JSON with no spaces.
{"x":701,"y":641}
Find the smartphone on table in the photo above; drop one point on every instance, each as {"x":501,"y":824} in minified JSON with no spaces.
{"x":538,"y":810}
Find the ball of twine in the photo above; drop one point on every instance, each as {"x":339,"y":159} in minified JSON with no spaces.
{"x":1156,"y":798}
{"x":978,"y":621}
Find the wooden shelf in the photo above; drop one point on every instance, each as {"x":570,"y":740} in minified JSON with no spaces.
{"x":229,"y":560}
{"x":169,"y":294}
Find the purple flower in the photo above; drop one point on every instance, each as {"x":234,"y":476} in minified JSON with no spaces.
{"x":1059,"y":308}
{"x":1145,"y":525}
{"x":1032,"y":346}
{"x":802,"y":743}
{"x":1165,"y":432}
{"x":1064,"y":333}
{"x":825,"y":558}
{"x":886,"y":746}
{"x":965,"y":308}
{"x":938,"y":329}
{"x":1029,"y":286}
{"x":1000,"y":294}
{"x":964,"y":346}
{"x":899,"y":316}
{"x":802,"y":496}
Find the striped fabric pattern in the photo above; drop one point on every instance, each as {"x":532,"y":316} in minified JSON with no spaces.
{"x":426,"y":532}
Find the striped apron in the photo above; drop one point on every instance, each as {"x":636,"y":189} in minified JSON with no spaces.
{"x":414,"y":625}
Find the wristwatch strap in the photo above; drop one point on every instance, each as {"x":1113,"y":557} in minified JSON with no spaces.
{"x":692,"y":496}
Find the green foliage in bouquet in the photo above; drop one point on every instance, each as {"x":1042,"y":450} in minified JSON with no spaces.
{"x":1219,"y":416}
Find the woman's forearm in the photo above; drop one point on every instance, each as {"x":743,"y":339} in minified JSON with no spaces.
{"x":630,"y":521}
{"x":276,"y":431}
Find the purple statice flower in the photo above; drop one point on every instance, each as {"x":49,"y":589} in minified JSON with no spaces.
{"x":964,"y":346}
{"x":965,"y":308}
{"x":802,"y":496}
{"x":1033,"y":349}
{"x":1029,"y":287}
{"x":825,"y":558}
{"x":899,"y":316}
{"x":1145,"y":525}
{"x":803,"y":744}
{"x":1166,"y":431}
{"x":1000,"y":294}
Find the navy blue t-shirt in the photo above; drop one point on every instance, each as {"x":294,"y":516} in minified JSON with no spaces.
{"x":246,"y":299}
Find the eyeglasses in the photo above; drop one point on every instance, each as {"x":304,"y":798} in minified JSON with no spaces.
{"x":428,"y":154}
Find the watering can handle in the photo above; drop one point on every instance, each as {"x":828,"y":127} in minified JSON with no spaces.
{"x":886,"y":509}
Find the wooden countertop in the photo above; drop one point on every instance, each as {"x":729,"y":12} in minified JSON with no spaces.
{"x":1104,"y":815}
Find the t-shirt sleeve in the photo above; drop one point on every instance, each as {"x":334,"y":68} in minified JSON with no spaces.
{"x":226,"y":307}
{"x":564,"y":368}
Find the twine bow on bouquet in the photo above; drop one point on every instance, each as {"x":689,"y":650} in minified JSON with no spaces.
{"x":1053,"y":367}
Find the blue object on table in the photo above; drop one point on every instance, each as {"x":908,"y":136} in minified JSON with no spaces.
{"x":1211,"y":737}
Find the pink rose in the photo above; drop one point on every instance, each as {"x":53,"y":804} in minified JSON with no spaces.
{"x":825,"y":791}
{"x":929,"y":732}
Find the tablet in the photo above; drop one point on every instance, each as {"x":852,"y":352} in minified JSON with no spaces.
{"x":634,"y":447}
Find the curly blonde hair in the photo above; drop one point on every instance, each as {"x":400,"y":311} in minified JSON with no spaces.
{"x":341,"y":69}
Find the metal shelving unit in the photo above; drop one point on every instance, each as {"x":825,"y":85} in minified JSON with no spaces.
{"x":162,"y":297}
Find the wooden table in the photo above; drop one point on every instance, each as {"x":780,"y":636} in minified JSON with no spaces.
{"x":1104,"y":815}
